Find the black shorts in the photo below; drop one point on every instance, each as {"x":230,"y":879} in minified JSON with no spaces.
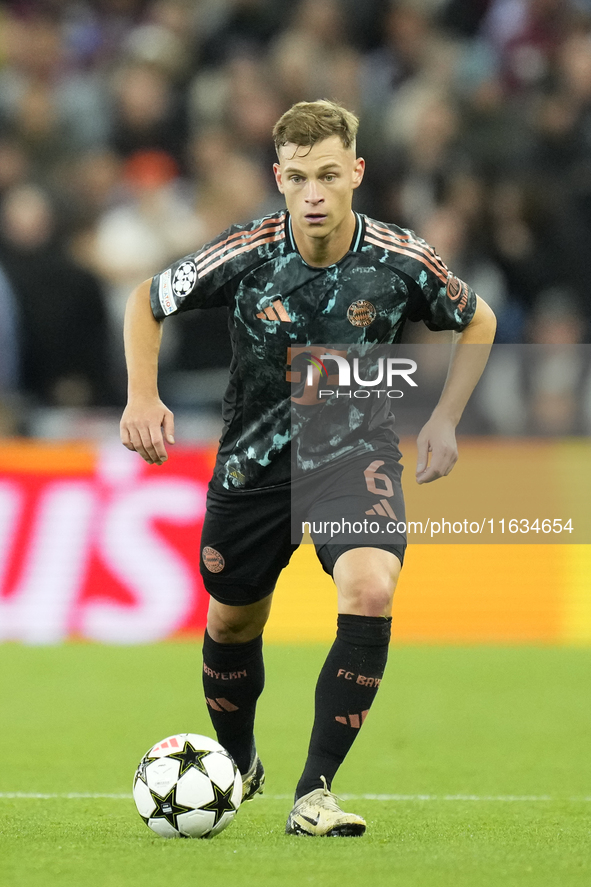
{"x":249,"y":536}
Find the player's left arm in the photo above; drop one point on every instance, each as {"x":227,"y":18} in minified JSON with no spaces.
{"x":437,"y":447}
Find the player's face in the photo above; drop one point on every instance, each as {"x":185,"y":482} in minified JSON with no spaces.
{"x":318,"y":184}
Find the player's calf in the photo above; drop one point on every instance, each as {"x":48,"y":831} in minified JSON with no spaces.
{"x":233,"y":680}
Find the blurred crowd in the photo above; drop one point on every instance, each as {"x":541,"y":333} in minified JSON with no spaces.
{"x":133,"y":131}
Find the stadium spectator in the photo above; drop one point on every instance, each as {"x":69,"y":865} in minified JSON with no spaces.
{"x":239,"y":28}
{"x":60,"y":306}
{"x":313,"y":56}
{"x":9,"y":338}
{"x":527,"y":35}
{"x":148,"y":115}
{"x":152,"y":221}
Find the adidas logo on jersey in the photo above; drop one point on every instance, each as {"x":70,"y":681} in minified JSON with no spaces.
{"x":276,"y":311}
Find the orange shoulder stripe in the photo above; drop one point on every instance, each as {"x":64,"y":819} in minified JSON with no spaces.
{"x":406,"y":241}
{"x":225,"y":244}
{"x":278,"y":235}
{"x":377,"y":227}
{"x":229,"y":248}
{"x":398,"y":248}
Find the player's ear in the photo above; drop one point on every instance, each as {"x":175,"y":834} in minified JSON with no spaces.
{"x":358,"y":171}
{"x":277,"y":172}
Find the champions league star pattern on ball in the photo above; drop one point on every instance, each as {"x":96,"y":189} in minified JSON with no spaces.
{"x":187,"y":786}
{"x":277,"y":301}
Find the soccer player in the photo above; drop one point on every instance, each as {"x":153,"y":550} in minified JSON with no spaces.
{"x":316,"y":273}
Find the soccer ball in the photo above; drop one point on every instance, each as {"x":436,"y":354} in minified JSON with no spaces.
{"x":187,"y":786}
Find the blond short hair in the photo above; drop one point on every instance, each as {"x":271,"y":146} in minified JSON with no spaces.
{"x":309,"y":122}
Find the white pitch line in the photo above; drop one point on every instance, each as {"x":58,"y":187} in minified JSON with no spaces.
{"x":504,"y":798}
{"x":345,"y":797}
{"x":75,"y":795}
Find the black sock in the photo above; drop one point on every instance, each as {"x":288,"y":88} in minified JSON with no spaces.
{"x":346,"y":688}
{"x":233,"y":680}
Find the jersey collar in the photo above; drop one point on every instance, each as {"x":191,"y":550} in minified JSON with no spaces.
{"x":356,"y":240}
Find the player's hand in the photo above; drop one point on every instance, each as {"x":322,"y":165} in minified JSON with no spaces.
{"x":438,"y":450}
{"x":146,"y":426}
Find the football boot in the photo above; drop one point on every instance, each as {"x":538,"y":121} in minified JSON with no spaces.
{"x":253,"y":780}
{"x":319,"y":814}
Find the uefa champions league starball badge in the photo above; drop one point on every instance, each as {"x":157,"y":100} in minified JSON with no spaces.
{"x":184,"y":278}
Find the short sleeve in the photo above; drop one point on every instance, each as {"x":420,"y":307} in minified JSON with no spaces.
{"x":181,"y":287}
{"x":441,"y":300}
{"x":209,"y":277}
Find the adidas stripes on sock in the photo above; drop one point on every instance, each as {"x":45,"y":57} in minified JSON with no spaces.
{"x":233,"y":680}
{"x":346,"y":688}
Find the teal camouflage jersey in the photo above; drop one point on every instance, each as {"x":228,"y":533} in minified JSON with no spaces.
{"x":278,"y":304}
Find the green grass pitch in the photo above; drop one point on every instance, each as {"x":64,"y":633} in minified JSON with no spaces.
{"x":487,"y":750}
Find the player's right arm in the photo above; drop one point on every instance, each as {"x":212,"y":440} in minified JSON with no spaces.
{"x":205,"y":279}
{"x":147,"y":424}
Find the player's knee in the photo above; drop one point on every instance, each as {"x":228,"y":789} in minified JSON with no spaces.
{"x":227,"y":635}
{"x":233,"y":628}
{"x":236,"y":625}
{"x":370,"y":596}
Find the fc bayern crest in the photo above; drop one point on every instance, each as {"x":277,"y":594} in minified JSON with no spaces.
{"x":213,"y":560}
{"x":361,"y":313}
{"x":184,"y":278}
